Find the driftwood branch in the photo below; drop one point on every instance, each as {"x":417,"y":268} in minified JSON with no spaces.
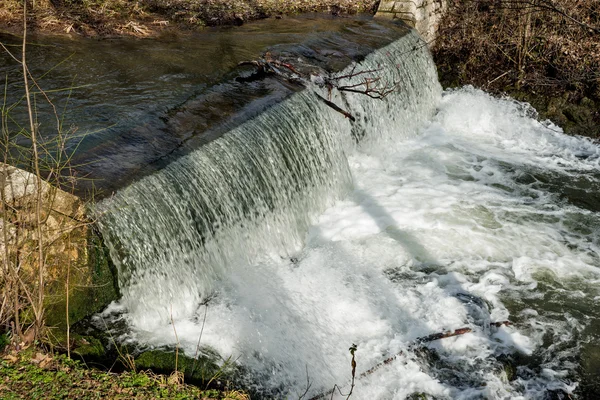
{"x":370,"y":84}
{"x":335,"y":107}
{"x":418,"y":342}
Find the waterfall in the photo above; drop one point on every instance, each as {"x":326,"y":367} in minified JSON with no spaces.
{"x":254,"y":191}
{"x":285,"y":241}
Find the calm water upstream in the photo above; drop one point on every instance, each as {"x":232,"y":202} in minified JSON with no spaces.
{"x":137,"y":105}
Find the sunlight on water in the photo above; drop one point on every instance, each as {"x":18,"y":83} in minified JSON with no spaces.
{"x":463,"y":224}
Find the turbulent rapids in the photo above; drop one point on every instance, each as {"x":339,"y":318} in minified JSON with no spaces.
{"x":284,"y":242}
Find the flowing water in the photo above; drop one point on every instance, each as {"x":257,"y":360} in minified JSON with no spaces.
{"x":284,"y":242}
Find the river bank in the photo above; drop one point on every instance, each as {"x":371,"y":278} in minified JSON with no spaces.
{"x":146,"y":18}
{"x":547,"y":57}
{"x":544,"y":53}
{"x":34,"y":374}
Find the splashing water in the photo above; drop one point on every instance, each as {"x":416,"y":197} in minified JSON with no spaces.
{"x":306,"y":244}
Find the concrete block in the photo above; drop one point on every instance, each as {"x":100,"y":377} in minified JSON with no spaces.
{"x":423,"y":15}
{"x":386,"y":7}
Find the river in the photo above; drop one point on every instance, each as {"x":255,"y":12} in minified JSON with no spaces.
{"x":283,"y":241}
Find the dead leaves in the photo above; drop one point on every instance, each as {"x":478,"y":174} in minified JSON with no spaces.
{"x":136,"y":28}
{"x":176,"y":378}
{"x":42,"y":360}
{"x":10,"y":358}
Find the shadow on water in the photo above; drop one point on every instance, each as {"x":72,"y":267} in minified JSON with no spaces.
{"x":387,"y":224}
{"x":450,"y":371}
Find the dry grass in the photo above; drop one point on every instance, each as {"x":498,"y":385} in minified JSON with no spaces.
{"x":149,"y":17}
{"x":528,"y":48}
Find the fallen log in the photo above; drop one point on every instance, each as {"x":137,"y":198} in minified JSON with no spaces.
{"x":418,"y":342}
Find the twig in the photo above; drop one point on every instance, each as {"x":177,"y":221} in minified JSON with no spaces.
{"x":10,"y":54}
{"x":336,"y":108}
{"x":389,"y":360}
{"x":369,"y":85}
{"x":498,"y":77}
{"x":37,"y":308}
{"x":353,"y":363}
{"x":443,"y":335}
{"x":353,"y":74}
{"x":199,"y":338}
{"x":176,"y":340}
{"x":67,"y":299}
{"x":308,"y":384}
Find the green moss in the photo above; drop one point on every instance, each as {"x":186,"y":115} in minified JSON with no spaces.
{"x":60,"y":377}
{"x":135,"y":380}
{"x":200,"y":370}
{"x":508,"y":366}
{"x":89,"y":347}
{"x":92,"y":285}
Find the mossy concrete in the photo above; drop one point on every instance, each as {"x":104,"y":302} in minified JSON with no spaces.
{"x":201,"y":370}
{"x":92,"y":285}
{"x":77,"y":276}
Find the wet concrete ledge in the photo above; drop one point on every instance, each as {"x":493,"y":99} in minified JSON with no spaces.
{"x":135,"y":152}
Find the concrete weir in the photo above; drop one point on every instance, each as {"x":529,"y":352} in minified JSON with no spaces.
{"x":423,"y":15}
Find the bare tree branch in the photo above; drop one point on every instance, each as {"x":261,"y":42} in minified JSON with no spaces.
{"x":371,"y":83}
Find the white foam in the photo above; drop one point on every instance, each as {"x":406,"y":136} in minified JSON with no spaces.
{"x":430,"y":219}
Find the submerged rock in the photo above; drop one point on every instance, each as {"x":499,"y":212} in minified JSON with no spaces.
{"x":508,"y":366}
{"x":420,"y":396}
{"x":89,"y":347}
